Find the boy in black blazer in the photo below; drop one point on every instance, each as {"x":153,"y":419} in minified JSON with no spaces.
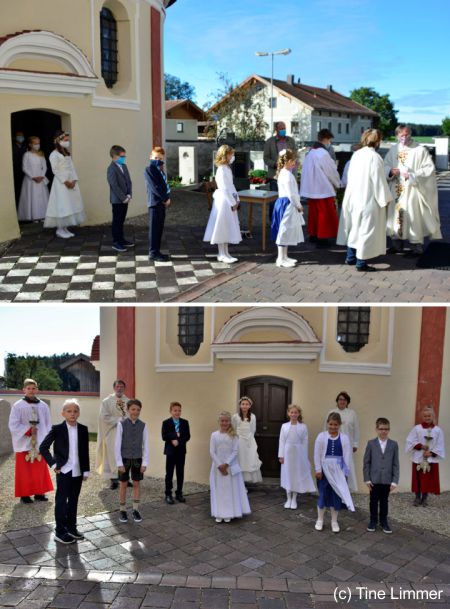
{"x":175,"y":433}
{"x":70,"y":461}
{"x":120,"y":193}
{"x":158,"y":199}
{"x":381,"y":474}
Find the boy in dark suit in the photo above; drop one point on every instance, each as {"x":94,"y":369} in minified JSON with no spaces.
{"x":158,"y":198}
{"x":120,"y":192}
{"x":70,"y":461}
{"x":381,"y":473}
{"x":175,"y":433}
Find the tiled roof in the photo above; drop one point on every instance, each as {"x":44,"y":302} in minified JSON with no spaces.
{"x":95,"y":351}
{"x":321,"y":99}
{"x":190,"y":106}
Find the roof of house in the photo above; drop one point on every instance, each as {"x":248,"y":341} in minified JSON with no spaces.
{"x":69,"y":362}
{"x":196,"y":111}
{"x":316,"y":98}
{"x":95,"y":350}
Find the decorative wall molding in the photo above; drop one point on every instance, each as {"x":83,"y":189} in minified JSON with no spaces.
{"x":352,"y":367}
{"x":12,"y":81}
{"x":288,"y":352}
{"x":187,"y":367}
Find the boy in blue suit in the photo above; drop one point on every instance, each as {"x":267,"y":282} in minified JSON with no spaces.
{"x":120,"y":193}
{"x":175,"y":434}
{"x":158,"y":199}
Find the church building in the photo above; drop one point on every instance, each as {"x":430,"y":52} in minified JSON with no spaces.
{"x":93,"y":68}
{"x":391,"y":360}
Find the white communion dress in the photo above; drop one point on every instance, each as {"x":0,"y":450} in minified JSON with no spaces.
{"x":248,"y":450}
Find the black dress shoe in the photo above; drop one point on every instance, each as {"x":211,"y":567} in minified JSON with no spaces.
{"x":75,"y":534}
{"x":114,"y":485}
{"x":169,"y":499}
{"x":26,"y":500}
{"x":40,"y":498}
{"x":65,"y":538}
{"x":159,"y":257}
{"x":180,"y":498}
{"x":350,"y":262}
{"x":366,"y":269}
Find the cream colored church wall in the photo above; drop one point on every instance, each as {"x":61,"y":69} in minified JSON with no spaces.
{"x":204,"y":394}
{"x":108,"y":350}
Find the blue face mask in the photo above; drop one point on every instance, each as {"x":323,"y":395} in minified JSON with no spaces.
{"x":156,"y":162}
{"x":121,"y":160}
{"x":282,"y":132}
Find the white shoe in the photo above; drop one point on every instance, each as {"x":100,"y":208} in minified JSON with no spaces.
{"x":287,"y":505}
{"x":293,"y":260}
{"x":69,"y":232}
{"x":294,"y":504}
{"x":221,"y":259}
{"x":227,"y":520}
{"x":218,"y":520}
{"x":284,"y":263}
{"x":319,"y":525}
{"x":335,"y":527}
{"x":61,"y":232}
{"x":230,"y":259}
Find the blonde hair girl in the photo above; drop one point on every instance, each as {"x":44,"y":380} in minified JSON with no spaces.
{"x":223,"y":223}
{"x":287,"y":217}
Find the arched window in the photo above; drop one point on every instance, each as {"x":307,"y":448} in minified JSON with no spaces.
{"x":353,"y":328}
{"x":190,"y":329}
{"x":108,"y":35}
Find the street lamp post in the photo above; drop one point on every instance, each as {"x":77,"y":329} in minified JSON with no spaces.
{"x":266,"y":54}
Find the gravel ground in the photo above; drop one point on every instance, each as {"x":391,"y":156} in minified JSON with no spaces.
{"x":96,"y":497}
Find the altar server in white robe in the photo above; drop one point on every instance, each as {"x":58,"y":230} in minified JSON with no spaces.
{"x":65,"y":205}
{"x":34,"y":193}
{"x":228,"y":494}
{"x":332,"y":454}
{"x":412,"y":179}
{"x":362,"y":226}
{"x":293,"y":456}
{"x":350,"y":426}
{"x":287,"y":215}
{"x":223,"y":223}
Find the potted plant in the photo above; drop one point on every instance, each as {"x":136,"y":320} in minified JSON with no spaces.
{"x":257,"y":177}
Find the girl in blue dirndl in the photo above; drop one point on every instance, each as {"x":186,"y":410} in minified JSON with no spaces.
{"x":332,"y":454}
{"x":287,"y":217}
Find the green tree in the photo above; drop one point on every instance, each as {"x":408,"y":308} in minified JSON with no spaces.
{"x":367,"y":96}
{"x":239,"y":110}
{"x":18,"y":368}
{"x":446,"y":125}
{"x":175,"y":89}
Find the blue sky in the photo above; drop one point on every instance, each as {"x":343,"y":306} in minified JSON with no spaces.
{"x":45,"y":330}
{"x":398,"y":47}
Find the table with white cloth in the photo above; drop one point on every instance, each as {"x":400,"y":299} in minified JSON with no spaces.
{"x":258,"y":197}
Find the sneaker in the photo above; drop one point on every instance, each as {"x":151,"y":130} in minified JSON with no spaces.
{"x":40,"y":498}
{"x":75,"y":534}
{"x":386,"y":528}
{"x":128,"y":244}
{"x":335,"y":527}
{"x":26,"y":500}
{"x":137,"y":516}
{"x":366,"y":269}
{"x":159,"y":257}
{"x":219,"y":520}
{"x":118,"y":247}
{"x":227,"y":520}
{"x":319,"y":525}
{"x":123,"y":516}
{"x":284,"y":264}
{"x":229,"y":259}
{"x":371,"y":527}
{"x":292,"y":260}
{"x":64,"y":538}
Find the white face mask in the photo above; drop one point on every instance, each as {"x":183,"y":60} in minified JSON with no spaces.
{"x":36,"y":147}
{"x":64,"y":144}
{"x":231,"y":161}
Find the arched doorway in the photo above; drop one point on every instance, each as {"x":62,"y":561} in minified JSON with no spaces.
{"x":43,"y":124}
{"x":271,"y":395}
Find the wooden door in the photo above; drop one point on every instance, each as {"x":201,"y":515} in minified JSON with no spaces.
{"x":271,"y":396}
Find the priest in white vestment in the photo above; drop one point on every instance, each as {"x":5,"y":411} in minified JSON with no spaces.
{"x":362,"y":226}
{"x":412,"y":179}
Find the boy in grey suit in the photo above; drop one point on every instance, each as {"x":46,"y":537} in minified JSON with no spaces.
{"x":381,"y":473}
{"x":120,"y":192}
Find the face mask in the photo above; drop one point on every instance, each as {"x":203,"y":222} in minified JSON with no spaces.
{"x":121,"y":160}
{"x":64,"y":144}
{"x":36,"y":147}
{"x":231,"y":161}
{"x":282,"y":132}
{"x":157,"y":162}
{"x":20,"y":139}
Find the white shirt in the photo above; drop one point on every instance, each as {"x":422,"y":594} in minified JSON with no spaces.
{"x":382,"y":444}
{"x":73,"y":462}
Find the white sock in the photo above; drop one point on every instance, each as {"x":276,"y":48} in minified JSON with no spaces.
{"x":320,"y":513}
{"x":334,"y":515}
{"x":221,"y":248}
{"x":280,"y":252}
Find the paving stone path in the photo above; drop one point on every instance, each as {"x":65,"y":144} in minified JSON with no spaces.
{"x":41,"y":268}
{"x":179,"y":558}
